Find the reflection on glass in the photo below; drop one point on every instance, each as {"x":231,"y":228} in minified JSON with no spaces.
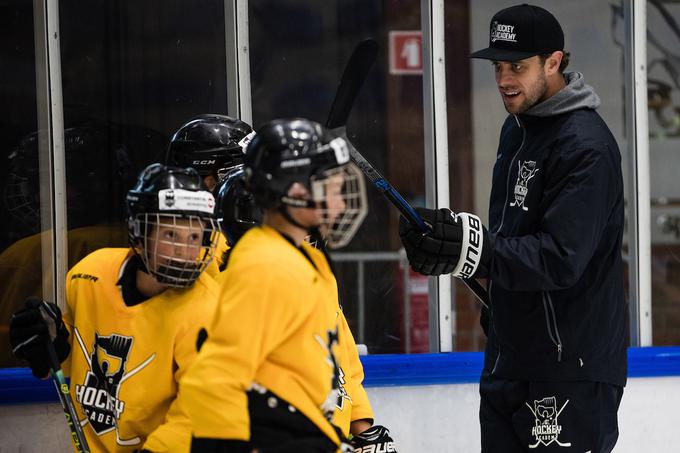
{"x":132,"y":74}
{"x":20,"y":243}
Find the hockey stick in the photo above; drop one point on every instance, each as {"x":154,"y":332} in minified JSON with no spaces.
{"x":353,"y":77}
{"x":77,"y":434}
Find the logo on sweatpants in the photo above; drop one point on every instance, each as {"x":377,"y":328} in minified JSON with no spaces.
{"x":546,"y":429}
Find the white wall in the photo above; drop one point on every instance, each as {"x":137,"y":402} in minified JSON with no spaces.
{"x":437,"y":419}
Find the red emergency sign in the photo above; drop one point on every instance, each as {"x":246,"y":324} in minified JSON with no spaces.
{"x":406,"y":52}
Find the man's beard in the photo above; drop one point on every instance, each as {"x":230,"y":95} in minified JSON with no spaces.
{"x":533,"y":97}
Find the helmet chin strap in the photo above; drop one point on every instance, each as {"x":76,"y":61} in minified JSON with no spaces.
{"x":141,"y":265}
{"x":283,"y":209}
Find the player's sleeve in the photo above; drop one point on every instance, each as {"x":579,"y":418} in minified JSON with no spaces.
{"x":586,"y":188}
{"x":251,"y":318}
{"x":174,"y":434}
{"x":361,"y":407}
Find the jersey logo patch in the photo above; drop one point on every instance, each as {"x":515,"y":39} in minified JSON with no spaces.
{"x":527,"y":170}
{"x":546,"y":429}
{"x":98,"y":395}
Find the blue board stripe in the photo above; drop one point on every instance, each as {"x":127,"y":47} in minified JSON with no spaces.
{"x":18,"y":386}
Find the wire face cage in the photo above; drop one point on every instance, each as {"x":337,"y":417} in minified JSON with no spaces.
{"x":342,"y":195}
{"x":176,"y":248}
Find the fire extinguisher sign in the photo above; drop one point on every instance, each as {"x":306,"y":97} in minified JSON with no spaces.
{"x":406,"y":52}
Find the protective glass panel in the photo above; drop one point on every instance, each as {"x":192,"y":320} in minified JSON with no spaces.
{"x":132,"y":75}
{"x":663,"y":91}
{"x":298,"y":52}
{"x":21,"y":257}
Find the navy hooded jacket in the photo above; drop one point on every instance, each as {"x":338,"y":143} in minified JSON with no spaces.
{"x":556,"y":218}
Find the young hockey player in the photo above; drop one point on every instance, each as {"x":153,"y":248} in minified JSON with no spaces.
{"x":237,"y":212}
{"x":267,"y":377}
{"x":132,"y":317}
{"x":212,"y":144}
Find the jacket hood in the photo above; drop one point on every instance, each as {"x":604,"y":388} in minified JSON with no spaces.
{"x":576,"y":95}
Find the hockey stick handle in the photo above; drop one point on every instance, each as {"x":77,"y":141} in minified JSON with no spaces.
{"x":77,"y":434}
{"x":353,"y":77}
{"x":386,"y":188}
{"x":410,"y":214}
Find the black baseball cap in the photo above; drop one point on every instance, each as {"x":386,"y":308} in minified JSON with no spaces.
{"x":520,"y":32}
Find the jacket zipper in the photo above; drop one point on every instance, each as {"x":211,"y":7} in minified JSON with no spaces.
{"x":507,"y":193}
{"x":512,"y":162}
{"x":551,"y":323}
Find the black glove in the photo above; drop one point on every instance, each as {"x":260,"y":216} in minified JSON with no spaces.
{"x":458,"y":244}
{"x":375,"y":438}
{"x":31,"y":328}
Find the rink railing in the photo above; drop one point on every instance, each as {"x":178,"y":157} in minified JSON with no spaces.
{"x":18,"y":386}
{"x":361,"y":258}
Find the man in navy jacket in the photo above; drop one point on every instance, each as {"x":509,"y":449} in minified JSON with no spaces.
{"x":555,"y":361}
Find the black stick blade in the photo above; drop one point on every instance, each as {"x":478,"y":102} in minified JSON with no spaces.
{"x":352,"y":80}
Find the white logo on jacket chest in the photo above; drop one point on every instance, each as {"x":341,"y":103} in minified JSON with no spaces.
{"x":526,"y":171}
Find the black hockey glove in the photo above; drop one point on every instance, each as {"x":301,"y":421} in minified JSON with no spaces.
{"x":458,"y":244}
{"x":376,"y":438}
{"x":31,"y":328}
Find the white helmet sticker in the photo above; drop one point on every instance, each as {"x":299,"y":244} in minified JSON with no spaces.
{"x":186,"y":200}
{"x":341,"y":150}
{"x":245,"y":140}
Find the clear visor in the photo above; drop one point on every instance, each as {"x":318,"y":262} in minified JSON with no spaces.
{"x":175,"y":248}
{"x":341,"y":197}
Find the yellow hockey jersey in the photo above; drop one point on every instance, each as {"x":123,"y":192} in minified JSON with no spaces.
{"x":276,"y":328}
{"x":352,"y":403}
{"x":126,"y":361}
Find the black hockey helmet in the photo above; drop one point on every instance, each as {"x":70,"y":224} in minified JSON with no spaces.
{"x":288,"y":151}
{"x":210,"y":143}
{"x":284,"y":152}
{"x":172,"y":198}
{"x":237,"y":211}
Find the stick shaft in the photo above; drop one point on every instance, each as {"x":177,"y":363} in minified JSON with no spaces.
{"x":353,"y":77}
{"x":77,"y":434}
